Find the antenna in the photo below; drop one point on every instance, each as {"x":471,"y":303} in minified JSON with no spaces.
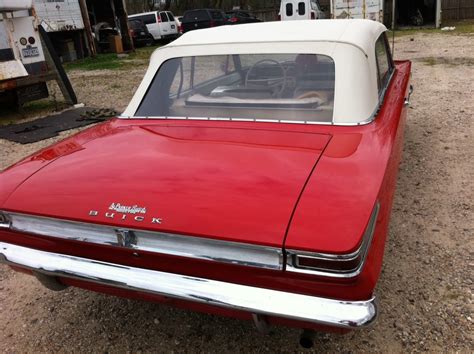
{"x":393,"y":42}
{"x":394,"y":9}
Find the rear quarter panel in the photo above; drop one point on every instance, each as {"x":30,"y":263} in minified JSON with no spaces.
{"x":358,"y":167}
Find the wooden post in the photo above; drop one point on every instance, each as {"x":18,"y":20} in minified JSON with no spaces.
{"x":87,"y":27}
{"x":394,"y":9}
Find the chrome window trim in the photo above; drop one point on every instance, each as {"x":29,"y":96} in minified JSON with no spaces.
{"x":369,"y":120}
{"x":152,"y":241}
{"x":300,"y":307}
{"x":292,"y":264}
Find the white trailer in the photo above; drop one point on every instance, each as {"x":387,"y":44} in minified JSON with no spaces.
{"x":25,"y":65}
{"x":368,"y":9}
{"x":57,"y":16}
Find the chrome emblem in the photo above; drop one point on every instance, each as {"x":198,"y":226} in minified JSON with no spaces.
{"x":134,"y":209}
{"x":122,"y":212}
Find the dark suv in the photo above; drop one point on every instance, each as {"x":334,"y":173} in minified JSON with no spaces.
{"x":202,"y":18}
{"x":139,"y":33}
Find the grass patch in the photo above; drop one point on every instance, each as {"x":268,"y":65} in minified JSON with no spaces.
{"x":458,"y":61}
{"x":99,"y":62}
{"x":111,"y":61}
{"x":430,"y":61}
{"x":462,"y":27}
{"x":11,"y":115}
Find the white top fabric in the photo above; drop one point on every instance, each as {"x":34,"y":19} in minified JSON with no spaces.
{"x":360,"y":33}
{"x":350,"y":43}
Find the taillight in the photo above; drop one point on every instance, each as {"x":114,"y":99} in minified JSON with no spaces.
{"x":234,"y":19}
{"x":159,"y":19}
{"x":313,"y":16}
{"x":334,"y":265}
{"x":132,"y":32}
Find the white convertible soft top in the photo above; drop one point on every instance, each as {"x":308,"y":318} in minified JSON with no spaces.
{"x":359,"y":33}
{"x":350,"y":43}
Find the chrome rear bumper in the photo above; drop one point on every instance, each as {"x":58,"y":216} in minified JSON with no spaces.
{"x":346,"y":314}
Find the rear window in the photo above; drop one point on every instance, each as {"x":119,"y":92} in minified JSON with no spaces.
{"x":217,"y":15}
{"x":301,"y":8}
{"x":147,"y":19}
{"x":198,"y":15}
{"x":135,"y":24}
{"x":289,"y":9}
{"x":294,"y":87}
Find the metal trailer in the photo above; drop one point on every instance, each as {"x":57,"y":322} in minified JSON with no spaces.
{"x":26,"y":60}
{"x":369,"y":9}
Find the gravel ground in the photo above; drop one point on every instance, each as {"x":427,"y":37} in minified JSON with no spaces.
{"x":425,"y":290}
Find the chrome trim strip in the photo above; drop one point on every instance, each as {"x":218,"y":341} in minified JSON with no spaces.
{"x":5,"y":221}
{"x":345,"y":314}
{"x":152,"y":241}
{"x":292,"y":264}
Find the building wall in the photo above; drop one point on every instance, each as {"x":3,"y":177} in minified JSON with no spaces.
{"x":59,"y":16}
{"x":457,"y":9}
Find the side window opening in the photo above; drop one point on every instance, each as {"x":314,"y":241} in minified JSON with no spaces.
{"x":164,"y":17}
{"x":289,"y":9}
{"x":147,"y":19}
{"x":384,"y":62}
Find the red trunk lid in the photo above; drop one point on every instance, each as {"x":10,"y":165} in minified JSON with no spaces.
{"x":223,"y":183}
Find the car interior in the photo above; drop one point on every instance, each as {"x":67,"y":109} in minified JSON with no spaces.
{"x":295,"y":87}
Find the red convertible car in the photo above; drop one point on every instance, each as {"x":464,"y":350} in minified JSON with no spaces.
{"x":248,"y":178}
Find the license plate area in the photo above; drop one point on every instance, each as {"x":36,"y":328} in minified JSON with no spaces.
{"x":30,"y":52}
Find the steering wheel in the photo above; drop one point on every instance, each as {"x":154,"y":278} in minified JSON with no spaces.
{"x":277,"y":83}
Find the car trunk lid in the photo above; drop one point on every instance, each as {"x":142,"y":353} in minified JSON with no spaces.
{"x":222,"y":183}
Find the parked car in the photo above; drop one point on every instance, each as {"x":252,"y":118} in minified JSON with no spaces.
{"x":202,"y":18}
{"x":291,"y":10}
{"x":239,"y":16}
{"x":139,"y":33}
{"x":160,"y":24}
{"x":251,"y":175}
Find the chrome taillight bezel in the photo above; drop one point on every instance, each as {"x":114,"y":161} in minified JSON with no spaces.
{"x":335,"y":265}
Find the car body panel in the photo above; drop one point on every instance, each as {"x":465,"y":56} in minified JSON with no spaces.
{"x":223,"y":176}
{"x":350,"y":200}
{"x":313,"y":188}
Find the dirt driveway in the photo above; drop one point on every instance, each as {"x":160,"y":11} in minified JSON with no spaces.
{"x":425,"y":290}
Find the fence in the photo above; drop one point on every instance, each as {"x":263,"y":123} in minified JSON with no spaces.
{"x":457,"y":9}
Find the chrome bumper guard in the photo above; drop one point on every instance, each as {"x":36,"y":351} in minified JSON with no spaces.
{"x":345,"y":314}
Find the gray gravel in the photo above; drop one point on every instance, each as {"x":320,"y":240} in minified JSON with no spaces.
{"x":425,"y":290}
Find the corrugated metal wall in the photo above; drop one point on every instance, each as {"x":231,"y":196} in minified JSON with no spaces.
{"x":457,"y":9}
